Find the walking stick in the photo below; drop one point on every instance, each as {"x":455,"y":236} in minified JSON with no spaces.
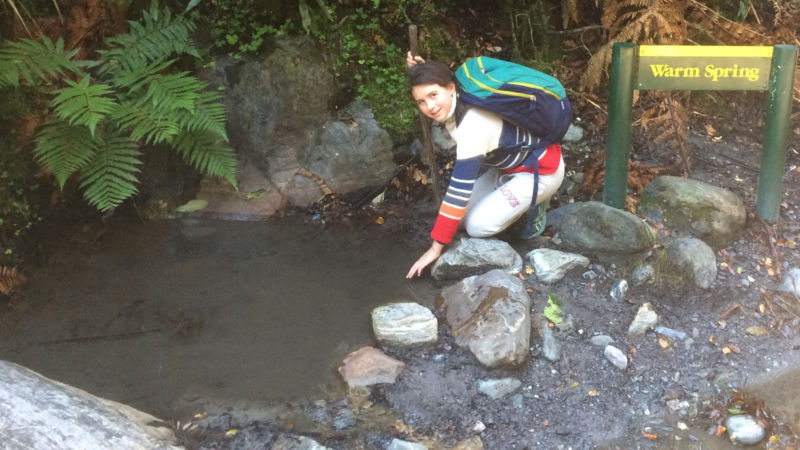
{"x":428,"y":156}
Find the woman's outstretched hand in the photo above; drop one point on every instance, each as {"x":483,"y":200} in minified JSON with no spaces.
{"x":412,"y":60}
{"x":431,"y":255}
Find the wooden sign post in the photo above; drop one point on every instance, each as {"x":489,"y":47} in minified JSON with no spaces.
{"x":711,"y":68}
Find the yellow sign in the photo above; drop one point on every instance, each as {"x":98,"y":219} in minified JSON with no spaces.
{"x":684,"y":67}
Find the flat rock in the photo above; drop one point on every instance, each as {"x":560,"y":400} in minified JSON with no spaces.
{"x":474,"y":256}
{"x":367,"y":366}
{"x":404,"y":324}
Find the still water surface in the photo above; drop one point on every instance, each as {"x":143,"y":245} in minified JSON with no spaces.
{"x":166,"y":314}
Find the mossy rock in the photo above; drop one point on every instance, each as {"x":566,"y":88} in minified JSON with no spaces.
{"x":707,"y":212}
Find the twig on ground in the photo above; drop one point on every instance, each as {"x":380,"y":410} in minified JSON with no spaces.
{"x":776,"y":260}
{"x":732,"y":309}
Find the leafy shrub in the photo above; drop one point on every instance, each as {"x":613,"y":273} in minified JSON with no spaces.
{"x":103,"y":110}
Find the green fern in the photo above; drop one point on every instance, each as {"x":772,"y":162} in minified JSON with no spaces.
{"x":110,"y":177}
{"x":126,"y":98}
{"x":83,"y":103}
{"x":34,"y":62}
{"x":160,"y":36}
{"x":199,"y":149}
{"x":64,"y":149}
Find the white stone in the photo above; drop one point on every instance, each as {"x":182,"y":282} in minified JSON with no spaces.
{"x":744,"y":429}
{"x":645,"y":320}
{"x":404,"y":324}
{"x":616,"y":356}
{"x":397,"y":444}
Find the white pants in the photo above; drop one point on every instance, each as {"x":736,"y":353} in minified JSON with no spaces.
{"x":499,"y":199}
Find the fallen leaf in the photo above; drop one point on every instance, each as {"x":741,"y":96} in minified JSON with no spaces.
{"x":545,"y":423}
{"x":726,"y":350}
{"x":774,"y":439}
{"x":723,"y":264}
{"x":711,"y":130}
{"x":529,"y":270}
{"x":734,"y":411}
{"x":762,"y":308}
{"x":739,"y":269}
{"x":651,"y":436}
{"x":756,"y":331}
{"x":720,"y":430}
{"x":200,"y":416}
{"x":664,"y":343}
{"x":734,"y":348}
{"x":232,"y":432}
{"x":592,"y":393}
{"x":712,"y":339}
{"x":574,"y":384}
{"x":379,"y":220}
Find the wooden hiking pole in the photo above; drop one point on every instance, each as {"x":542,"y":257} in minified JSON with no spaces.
{"x":429,"y":158}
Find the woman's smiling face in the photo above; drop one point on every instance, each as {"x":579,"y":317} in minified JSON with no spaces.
{"x":434,"y":100}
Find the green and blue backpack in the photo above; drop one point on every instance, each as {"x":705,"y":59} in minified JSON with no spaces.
{"x":526,"y":97}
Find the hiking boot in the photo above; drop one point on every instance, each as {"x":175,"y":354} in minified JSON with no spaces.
{"x":538,"y":222}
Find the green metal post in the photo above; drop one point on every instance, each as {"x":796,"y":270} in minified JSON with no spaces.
{"x":620,"y":105}
{"x":776,"y":132}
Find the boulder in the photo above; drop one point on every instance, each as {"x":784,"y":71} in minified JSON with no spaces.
{"x":596,"y":228}
{"x":708,"y":212}
{"x":490,"y":315}
{"x":694,"y":260}
{"x":39,"y":413}
{"x":473,"y":256}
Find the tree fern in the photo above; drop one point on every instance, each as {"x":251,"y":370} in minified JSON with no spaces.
{"x":110,"y":177}
{"x":34,"y":62}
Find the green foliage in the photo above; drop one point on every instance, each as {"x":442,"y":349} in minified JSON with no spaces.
{"x":20,"y":206}
{"x":239,"y":27}
{"x":127,"y":97}
{"x":553,"y":309}
{"x":377,"y":67}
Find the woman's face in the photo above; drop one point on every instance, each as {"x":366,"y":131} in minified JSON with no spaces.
{"x":434,"y":100}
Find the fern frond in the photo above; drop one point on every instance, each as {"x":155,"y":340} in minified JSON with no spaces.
{"x":34,"y":61}
{"x":135,"y":78}
{"x":146,"y":122}
{"x":208,"y":115}
{"x":173,"y":91}
{"x":64,"y":149}
{"x":201,"y":150}
{"x":160,"y":36}
{"x":83,"y":103}
{"x":110,"y":177}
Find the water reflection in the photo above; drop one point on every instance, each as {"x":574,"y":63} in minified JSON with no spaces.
{"x":165,"y":314}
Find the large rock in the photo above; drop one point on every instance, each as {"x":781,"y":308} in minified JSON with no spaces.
{"x":473,"y":256}
{"x":596,"y":228}
{"x":490,"y":315}
{"x":39,"y":413}
{"x":279,"y":120}
{"x":694,"y":260}
{"x":350,"y":156}
{"x":708,"y":212}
